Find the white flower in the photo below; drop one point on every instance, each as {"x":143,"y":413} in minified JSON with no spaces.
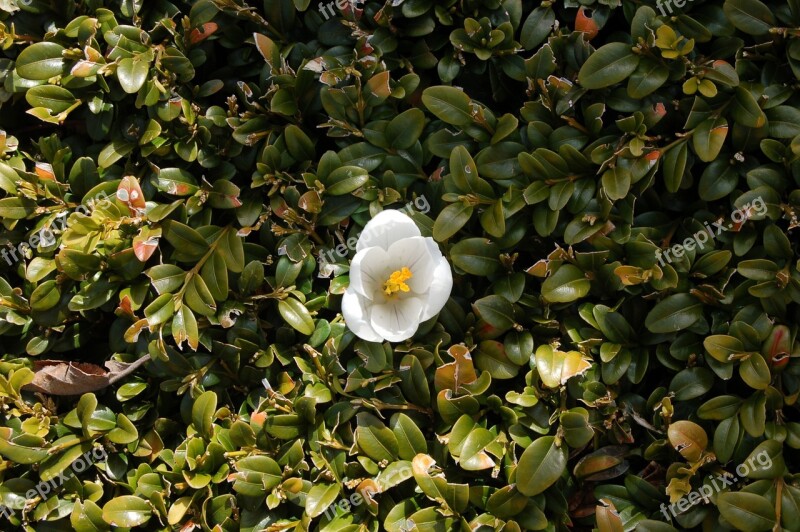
{"x":398,"y":279}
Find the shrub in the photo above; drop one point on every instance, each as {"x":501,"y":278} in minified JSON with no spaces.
{"x":615,"y":185}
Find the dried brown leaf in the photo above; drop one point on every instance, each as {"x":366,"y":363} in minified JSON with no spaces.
{"x":56,"y":377}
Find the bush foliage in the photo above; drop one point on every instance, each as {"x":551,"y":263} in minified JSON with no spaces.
{"x":615,"y":184}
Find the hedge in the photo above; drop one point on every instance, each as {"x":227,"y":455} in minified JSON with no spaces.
{"x":612,"y":187}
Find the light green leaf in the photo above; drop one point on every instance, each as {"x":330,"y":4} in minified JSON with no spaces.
{"x":540,"y":466}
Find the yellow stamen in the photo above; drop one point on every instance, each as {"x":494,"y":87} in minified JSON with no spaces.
{"x":396,"y":281}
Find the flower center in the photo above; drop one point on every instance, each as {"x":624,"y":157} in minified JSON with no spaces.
{"x":396,"y":282}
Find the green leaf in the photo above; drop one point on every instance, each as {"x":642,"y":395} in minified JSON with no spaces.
{"x":151,"y":133}
{"x":55,"y":99}
{"x":649,"y":525}
{"x":296,"y":314}
{"x":473,"y":455}
{"x":567,"y":284}
{"x":746,"y":111}
{"x":188,"y":243}
{"x":464,"y":175}
{"x":176,"y":181}
{"x":776,"y":243}
{"x":758,"y":269}
{"x":722,"y":346}
{"x":256,"y":474}
{"x":410,"y":440}
{"x":496,"y":310}
{"x":160,"y":310}
{"x":616,"y":182}
{"x":746,"y":511}
{"x":726,"y":438}
{"x":373,"y":354}
{"x":491,"y":356}
{"x":54,"y":465}
{"x":675,"y":166}
{"x":541,"y":464}
{"x":674,"y":313}
{"x":608,"y":65}
{"x":506,"y":502}
{"x":16,"y":208}
{"x":345,"y":180}
{"x":184,"y":328}
{"x":766,"y":461}
{"x":41,"y":61}
{"x":8,"y":178}
{"x":451,"y":219}
{"x":375,"y":439}
{"x":132,"y":73}
{"x":560,"y":195}
{"x":753,"y":414}
{"x":750,"y":16}
{"x":199,"y":297}
{"x":429,"y":519}
{"x":436,"y":487}
{"x":203,"y":411}
{"x":476,"y":256}
{"x":449,"y":104}
{"x":215,"y":275}
{"x":45,"y":296}
{"x":404,"y":129}
{"x":506,"y":125}
{"x":232,"y":250}
{"x":85,"y":408}
{"x":124,"y":433}
{"x":127,"y":511}
{"x":300,"y":146}
{"x":755,"y":372}
{"x":493,"y":220}
{"x":719,"y":408}
{"x":709,"y":137}
{"x":320,"y":497}
{"x":19,"y":453}
{"x":283,"y":102}
{"x":537,"y":27}
{"x":414,"y":384}
{"x":166,"y":277}
{"x":648,"y":77}
{"x":519,"y":346}
{"x":784,"y":122}
{"x":86,"y":516}
{"x":691,"y":383}
{"x":129,"y":390}
{"x":577,"y":430}
{"x":718,"y":180}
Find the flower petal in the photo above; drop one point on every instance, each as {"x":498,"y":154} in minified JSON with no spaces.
{"x":440,"y":289}
{"x":355,"y":310}
{"x":386,"y":227}
{"x":433,"y":248}
{"x":397,"y":320}
{"x":414,"y":253}
{"x":369,"y":270}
